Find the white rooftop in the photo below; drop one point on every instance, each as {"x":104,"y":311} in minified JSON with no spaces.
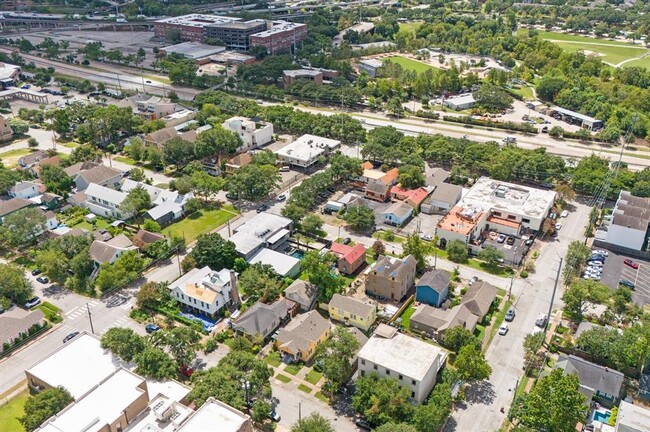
{"x":279,"y":26}
{"x":372,"y":63}
{"x":632,"y":418}
{"x":403,"y":354}
{"x":281,"y":263}
{"x":78,"y":365}
{"x":488,"y":194}
{"x":308,"y":147}
{"x":197,"y":20}
{"x":462,"y":99}
{"x":214,"y":415}
{"x":250,"y":235}
{"x":7,"y":70}
{"x":100,"y":407}
{"x":108,"y":194}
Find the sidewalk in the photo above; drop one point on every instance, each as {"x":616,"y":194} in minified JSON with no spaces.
{"x":299,"y":379}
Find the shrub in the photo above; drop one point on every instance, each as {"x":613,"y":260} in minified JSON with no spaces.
{"x":139,"y":315}
{"x":523,"y":274}
{"x":210,"y":345}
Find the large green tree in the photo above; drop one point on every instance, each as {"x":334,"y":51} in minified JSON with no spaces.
{"x":433,"y":415}
{"x":253,"y":182}
{"x":471,"y":364}
{"x":14,"y":285}
{"x":419,"y":249}
{"x":153,"y":362}
{"x":123,"y":342}
{"x":319,"y":272}
{"x":314,"y":422}
{"x":382,"y":400}
{"x":137,"y":200}
{"x":55,"y":179}
{"x":260,"y":282}
{"x":360,"y":218}
{"x":583,"y":294}
{"x":336,"y":355}
{"x":457,"y":337}
{"x":124,"y":270}
{"x":576,"y":255}
{"x":44,"y":405}
{"x":216,"y":142}
{"x":214,"y":251}
{"x":457,"y":251}
{"x":23,"y":226}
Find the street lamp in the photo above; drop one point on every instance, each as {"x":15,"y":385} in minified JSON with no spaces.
{"x":246,"y":385}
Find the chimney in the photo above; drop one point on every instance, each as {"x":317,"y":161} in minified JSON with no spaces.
{"x":234,"y":291}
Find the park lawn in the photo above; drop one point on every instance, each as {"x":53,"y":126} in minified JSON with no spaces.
{"x":313,"y":377}
{"x":10,"y":158}
{"x":525,"y":92}
{"x":642,"y":62}
{"x":610,"y":53}
{"x":201,"y":222}
{"x":567,"y":37}
{"x":304,"y":388}
{"x":126,"y":160}
{"x":406,"y":316}
{"x":292,"y":369}
{"x":410,"y":64}
{"x":10,"y":412}
{"x":285,"y":379}
{"x":99,"y":224}
{"x":410,"y":26}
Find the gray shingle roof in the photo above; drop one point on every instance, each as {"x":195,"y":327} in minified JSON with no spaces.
{"x":445,"y":192}
{"x":592,"y":376}
{"x":12,"y":205}
{"x":259,"y":318}
{"x":303,"y":291}
{"x":479,"y":297}
{"x":100,"y":174}
{"x":440,"y":319}
{"x":352,"y":305}
{"x":436,"y":279}
{"x":302,"y":331}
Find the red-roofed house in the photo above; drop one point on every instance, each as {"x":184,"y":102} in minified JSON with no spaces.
{"x":350,"y":257}
{"x":412,"y":197}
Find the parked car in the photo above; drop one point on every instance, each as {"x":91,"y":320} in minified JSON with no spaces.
{"x":285,"y":168}
{"x":281,"y":197}
{"x":503,"y":329}
{"x":363,"y":424}
{"x":262,"y":208}
{"x":151,"y":328}
{"x":187,"y":371}
{"x":501,"y":238}
{"x":473,"y":280}
{"x":564,"y":213}
{"x":545,"y":129}
{"x":70,"y":336}
{"x":510,"y":241}
{"x":510,"y":315}
{"x":232,"y":196}
{"x":541,"y":320}
{"x":36,"y":272}
{"x":275,"y":416}
{"x":426,"y":237}
{"x":558,"y":226}
{"x":629,"y":262}
{"x":347,"y":240}
{"x":626,"y":283}
{"x":600,"y":252}
{"x":42,"y":279}
{"x":32,"y":302}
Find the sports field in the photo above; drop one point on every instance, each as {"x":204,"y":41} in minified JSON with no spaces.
{"x":407,"y":63}
{"x":615,"y":53}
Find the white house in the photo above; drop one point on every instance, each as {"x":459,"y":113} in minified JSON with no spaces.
{"x":253,"y":134}
{"x":109,"y":251}
{"x":283,"y":264}
{"x":264,"y":230}
{"x":168,"y":206}
{"x":103,"y":201}
{"x":413,"y":363}
{"x":24,"y":189}
{"x":306,"y":150}
{"x":205,"y":291}
{"x":100,"y":175}
{"x":460,"y":102}
{"x":152,"y":107}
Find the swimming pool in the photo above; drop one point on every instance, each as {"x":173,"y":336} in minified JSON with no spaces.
{"x":602,"y":416}
{"x":298,"y":254}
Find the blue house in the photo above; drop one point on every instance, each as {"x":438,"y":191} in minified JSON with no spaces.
{"x":397,"y":213}
{"x":433,"y":287}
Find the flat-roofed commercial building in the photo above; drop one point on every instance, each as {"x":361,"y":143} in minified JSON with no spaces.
{"x":191,"y":27}
{"x":235,"y":34}
{"x":306,"y":150}
{"x":630,"y":222}
{"x":280,"y":36}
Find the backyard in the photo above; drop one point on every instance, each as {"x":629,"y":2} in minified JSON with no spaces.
{"x":201,"y":222}
{"x":10,"y":412}
{"x":10,"y":158}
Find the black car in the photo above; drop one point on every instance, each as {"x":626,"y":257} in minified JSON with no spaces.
{"x":36,"y":272}
{"x":347,"y":240}
{"x":70,"y":336}
{"x":626,"y":283}
{"x":262,"y":208}
{"x":363,"y":424}
{"x":42,"y":279}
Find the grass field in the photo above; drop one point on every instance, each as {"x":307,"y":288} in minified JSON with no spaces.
{"x":612,"y":52}
{"x":406,"y":316}
{"x":525,"y":92}
{"x":201,"y":222}
{"x":10,"y":158}
{"x":407,"y":63}
{"x":10,"y":412}
{"x":410,"y":26}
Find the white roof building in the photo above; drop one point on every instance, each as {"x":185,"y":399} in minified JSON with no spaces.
{"x":78,"y":366}
{"x":167,"y":205}
{"x":305,"y":151}
{"x":103,"y":201}
{"x":204,"y":290}
{"x":214,"y":412}
{"x":263,"y":230}
{"x":410,"y":361}
{"x":283,"y":264}
{"x":632,"y":418}
{"x":253,"y":134}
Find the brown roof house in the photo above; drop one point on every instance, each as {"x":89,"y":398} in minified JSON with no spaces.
{"x":13,"y":205}
{"x":299,"y":339}
{"x":235,"y":164}
{"x":160,"y":137}
{"x":262,"y":319}
{"x":100,"y":175}
{"x":109,"y":251}
{"x":350,"y":257}
{"x":479,"y":298}
{"x":75,"y":169}
{"x":32,"y":159}
{"x":144,"y":238}
{"x":443,"y":199}
{"x":378,"y":191}
{"x":302,"y":293}
{"x":390,"y":277}
{"x":352,"y":311}
{"x":434,"y":321}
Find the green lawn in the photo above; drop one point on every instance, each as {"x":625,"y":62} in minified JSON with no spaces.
{"x":410,"y":26}
{"x":285,"y":379}
{"x":10,"y":158}
{"x":408,"y":63}
{"x":304,"y":388}
{"x":313,"y":377}
{"x":406,"y":316}
{"x":10,"y":412}
{"x":99,"y":224}
{"x":201,"y":222}
{"x":479,"y":332}
{"x":273,"y":359}
{"x":320,"y":396}
{"x":292,"y":369}
{"x":644,"y":62}
{"x":525,"y":92}
{"x":124,"y":159}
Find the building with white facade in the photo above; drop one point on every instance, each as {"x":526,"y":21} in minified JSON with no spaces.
{"x":628,"y":227}
{"x":632,"y":418}
{"x":413,"y":363}
{"x":282,"y":264}
{"x":264,"y":230}
{"x":253,"y":134}
{"x":24,"y":190}
{"x":167,"y":205}
{"x":152,"y":107}
{"x":306,"y":150}
{"x":494,"y":205}
{"x":205,"y":291}
{"x":460,"y":102}
{"x":104,"y":201}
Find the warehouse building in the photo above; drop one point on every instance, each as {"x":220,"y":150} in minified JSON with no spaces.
{"x":584,"y":121}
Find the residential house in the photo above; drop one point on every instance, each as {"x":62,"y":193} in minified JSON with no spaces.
{"x":13,"y":205}
{"x":377,"y":191}
{"x":110,"y":250}
{"x":49,"y":200}
{"x":264,"y":230}
{"x":411,"y":362}
{"x":239,"y":161}
{"x":434,"y":321}
{"x":168,"y":206}
{"x":299,"y":339}
{"x":390,"y":277}
{"x":433,"y":287}
{"x":632,"y":418}
{"x":303,"y":293}
{"x":24,"y":190}
{"x":100,"y":175}
{"x":352,"y":311}
{"x":371,"y":175}
{"x":479,"y":298}
{"x":102,"y":201}
{"x":282,"y":264}
{"x":397,"y":213}
{"x":443,"y":199}
{"x":17,"y":321}
{"x":36,"y":169}
{"x":437,"y":176}
{"x":253,"y":132}
{"x":412,"y":197}
{"x":205,"y":291}
{"x":152,"y":107}
{"x":144,"y":238}
{"x":32,"y":159}
{"x":261,"y":319}
{"x":603,"y":384}
{"x":51,"y":221}
{"x":350,"y":257}
{"x":6,"y":133}
{"x":160,"y":137}
{"x":74,"y":170}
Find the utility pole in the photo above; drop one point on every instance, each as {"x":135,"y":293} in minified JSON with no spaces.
{"x":512,"y":279}
{"x":550,"y":306}
{"x":299,"y":411}
{"x":90,"y":318}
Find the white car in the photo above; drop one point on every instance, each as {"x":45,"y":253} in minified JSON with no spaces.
{"x":503,"y":329}
{"x":564,"y":213}
{"x":600,"y":252}
{"x":558,"y":226}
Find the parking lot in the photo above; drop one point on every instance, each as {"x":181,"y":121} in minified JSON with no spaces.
{"x":512,"y":254}
{"x":614,"y":270}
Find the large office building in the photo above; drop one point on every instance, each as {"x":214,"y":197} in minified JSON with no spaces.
{"x":307,"y":150}
{"x":494,"y":205}
{"x":280,"y":36}
{"x":191,"y":27}
{"x":235,"y":34}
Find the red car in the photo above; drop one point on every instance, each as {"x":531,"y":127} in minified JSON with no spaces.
{"x":187,"y":371}
{"x":631,"y":263}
